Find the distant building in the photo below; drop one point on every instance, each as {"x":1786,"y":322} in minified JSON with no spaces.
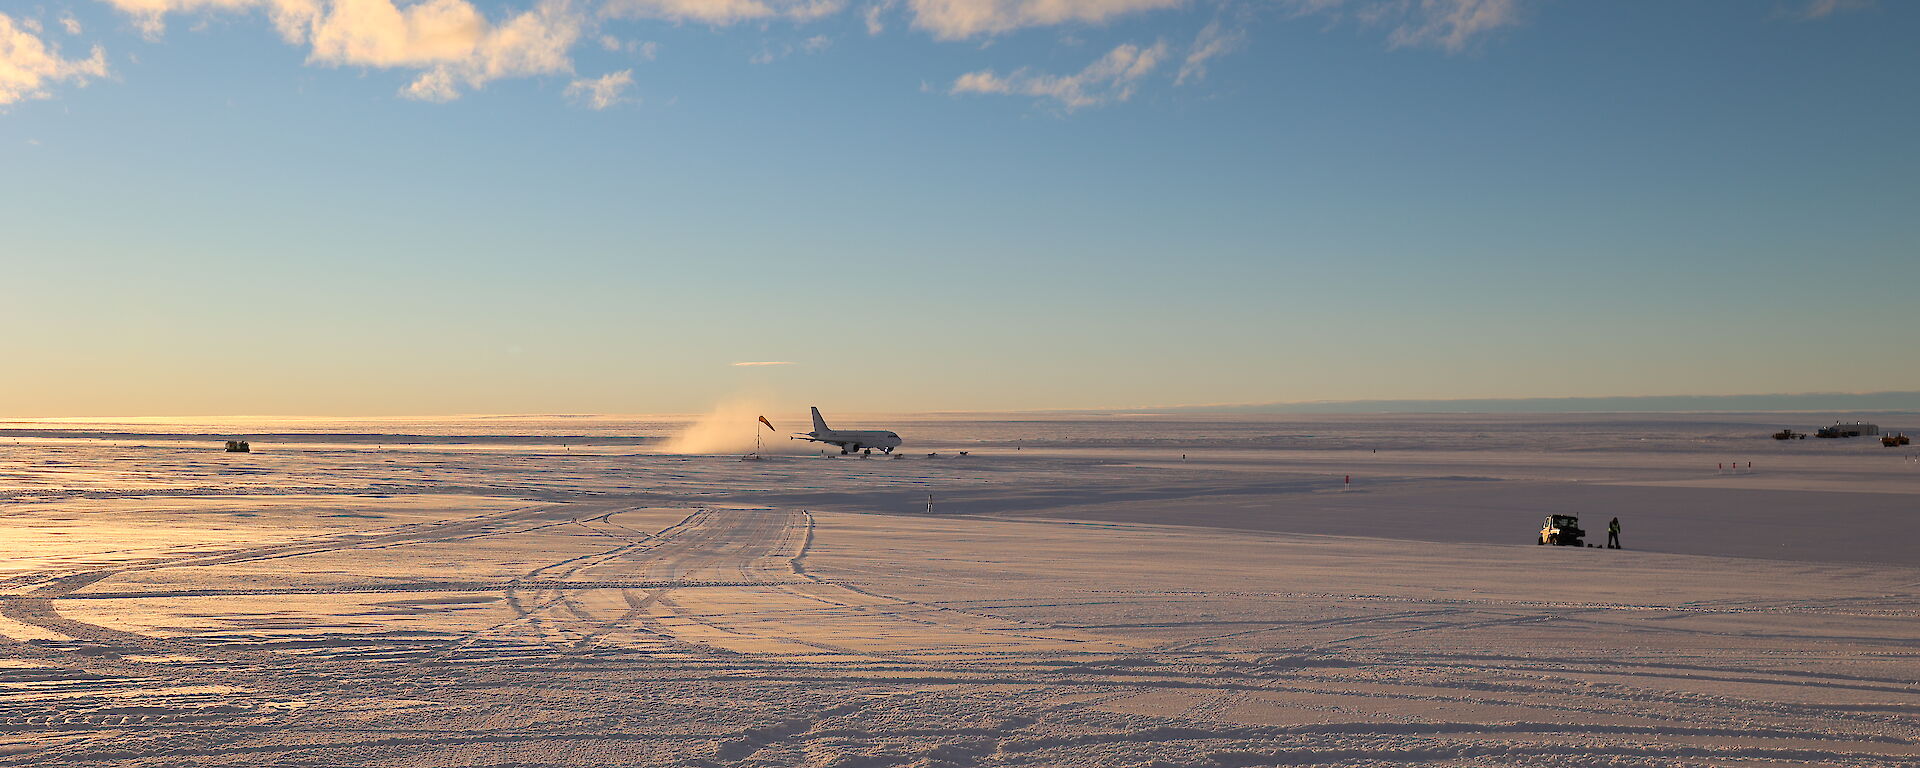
{"x":1856,"y":429}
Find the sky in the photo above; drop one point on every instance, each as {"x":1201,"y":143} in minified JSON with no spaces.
{"x":381,"y":207}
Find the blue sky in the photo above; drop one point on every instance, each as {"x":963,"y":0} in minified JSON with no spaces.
{"x":463,"y":206}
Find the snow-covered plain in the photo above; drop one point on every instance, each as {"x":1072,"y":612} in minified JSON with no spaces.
{"x":1124,"y":590}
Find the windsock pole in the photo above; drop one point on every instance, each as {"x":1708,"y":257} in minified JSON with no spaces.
{"x":756,"y":433}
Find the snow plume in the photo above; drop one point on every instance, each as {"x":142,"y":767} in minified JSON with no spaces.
{"x":729,"y":428}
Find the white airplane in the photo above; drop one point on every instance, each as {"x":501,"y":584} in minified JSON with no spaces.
{"x":850,"y":440}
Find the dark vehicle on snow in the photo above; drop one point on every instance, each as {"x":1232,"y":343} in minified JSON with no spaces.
{"x":1562,"y":531}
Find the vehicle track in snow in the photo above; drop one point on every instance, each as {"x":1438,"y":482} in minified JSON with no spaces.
{"x":710,"y":638}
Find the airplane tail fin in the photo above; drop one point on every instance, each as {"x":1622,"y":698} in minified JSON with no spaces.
{"x":819,"y":424}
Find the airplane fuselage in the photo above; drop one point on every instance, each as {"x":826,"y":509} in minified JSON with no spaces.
{"x":851,"y":440}
{"x":854,"y":441}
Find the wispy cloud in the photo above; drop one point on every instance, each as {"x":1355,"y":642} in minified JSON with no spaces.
{"x":722,"y":12}
{"x":945,"y":19}
{"x":28,"y":64}
{"x":601,"y":92}
{"x":960,"y":19}
{"x":1213,"y":40}
{"x":1454,"y":24}
{"x":150,"y":15}
{"x":1451,"y":25}
{"x":811,"y":45}
{"x":1111,"y":78}
{"x":452,"y":47}
{"x":766,"y":362}
{"x":873,"y":14}
{"x":647,"y":51}
{"x":1820,"y":9}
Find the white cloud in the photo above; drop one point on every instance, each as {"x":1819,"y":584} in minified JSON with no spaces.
{"x":380,"y":34}
{"x":601,"y":92}
{"x":28,"y":64}
{"x":1213,"y":40}
{"x":771,"y":362}
{"x":960,"y":19}
{"x":455,"y":45}
{"x":70,"y":24}
{"x":722,"y":12}
{"x":1111,"y":78}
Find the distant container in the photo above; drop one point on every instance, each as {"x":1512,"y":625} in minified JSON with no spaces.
{"x":1856,"y":429}
{"x":239,"y":446}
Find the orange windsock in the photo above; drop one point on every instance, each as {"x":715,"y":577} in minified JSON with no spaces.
{"x":769,"y":424}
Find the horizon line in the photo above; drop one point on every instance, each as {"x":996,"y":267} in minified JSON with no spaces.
{"x":1142,"y":410}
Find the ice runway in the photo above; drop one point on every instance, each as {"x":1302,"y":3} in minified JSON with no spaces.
{"x":1089,"y":599}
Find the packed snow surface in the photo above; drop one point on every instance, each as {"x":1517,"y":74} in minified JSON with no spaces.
{"x":1095,"y":591}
